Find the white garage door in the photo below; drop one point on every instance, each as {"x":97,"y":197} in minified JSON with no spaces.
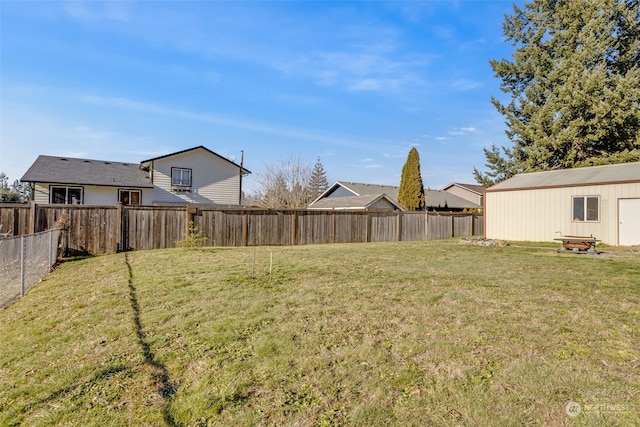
{"x":629,"y":217}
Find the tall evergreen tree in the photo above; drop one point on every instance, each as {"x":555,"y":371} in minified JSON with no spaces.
{"x":574,"y":83}
{"x":318,"y":183}
{"x":500,"y":168}
{"x":411,"y":192}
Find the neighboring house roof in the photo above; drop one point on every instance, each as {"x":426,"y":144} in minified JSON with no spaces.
{"x":474,"y":188}
{"x":352,"y":202}
{"x":434,"y":198}
{"x":593,"y":175}
{"x":442,"y":199}
{"x":354,"y":190}
{"x":360,"y":189}
{"x":57,"y":170}
{"x":244,"y":170}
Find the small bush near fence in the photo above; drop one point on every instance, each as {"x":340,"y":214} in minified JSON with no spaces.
{"x":24,"y":260}
{"x":193,"y":239}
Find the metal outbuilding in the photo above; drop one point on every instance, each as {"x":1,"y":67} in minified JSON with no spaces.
{"x":598,"y":201}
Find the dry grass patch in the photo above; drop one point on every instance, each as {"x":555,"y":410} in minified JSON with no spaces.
{"x":422,"y":333}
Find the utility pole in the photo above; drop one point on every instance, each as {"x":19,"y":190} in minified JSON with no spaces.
{"x":241,"y":169}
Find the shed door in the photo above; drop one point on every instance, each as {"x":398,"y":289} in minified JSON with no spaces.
{"x":629,"y":226}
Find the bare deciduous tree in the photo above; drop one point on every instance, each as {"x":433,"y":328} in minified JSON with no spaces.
{"x":285,"y":185}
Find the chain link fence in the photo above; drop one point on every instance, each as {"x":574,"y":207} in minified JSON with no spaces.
{"x":24,"y":261}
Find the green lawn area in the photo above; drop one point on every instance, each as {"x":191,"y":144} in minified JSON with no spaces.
{"x":405,"y":333}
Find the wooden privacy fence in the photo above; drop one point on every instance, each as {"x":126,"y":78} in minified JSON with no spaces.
{"x":108,"y":229}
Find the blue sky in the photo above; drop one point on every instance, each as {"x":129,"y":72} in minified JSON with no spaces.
{"x":354,"y":83}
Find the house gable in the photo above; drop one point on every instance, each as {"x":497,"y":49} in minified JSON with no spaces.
{"x":471,"y":192}
{"x":340,"y":191}
{"x":209,"y":178}
{"x":199,"y":147}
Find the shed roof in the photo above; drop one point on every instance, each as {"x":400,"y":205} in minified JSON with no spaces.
{"x":593,"y":175}
{"x":68,"y":170}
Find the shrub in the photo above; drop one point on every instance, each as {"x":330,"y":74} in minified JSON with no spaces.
{"x":193,"y":239}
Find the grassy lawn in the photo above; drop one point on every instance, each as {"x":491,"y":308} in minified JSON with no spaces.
{"x":411,"y":333}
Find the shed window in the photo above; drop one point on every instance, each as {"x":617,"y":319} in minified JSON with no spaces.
{"x":66,"y":195}
{"x":586,"y":208}
{"x":180,"y":177}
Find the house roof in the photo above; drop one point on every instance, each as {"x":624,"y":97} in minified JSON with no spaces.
{"x":51,"y":169}
{"x":361,"y":189}
{"x":199,"y":147}
{"x":351,"y":202}
{"x":594,"y":175}
{"x":434,"y":198}
{"x":478,"y":189}
{"x":442,"y":199}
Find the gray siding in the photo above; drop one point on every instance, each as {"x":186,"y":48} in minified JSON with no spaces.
{"x":214,"y":180}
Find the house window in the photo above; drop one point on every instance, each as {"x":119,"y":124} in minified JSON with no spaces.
{"x":180,"y":178}
{"x":129,"y":197}
{"x":66,"y":195}
{"x":586,"y":208}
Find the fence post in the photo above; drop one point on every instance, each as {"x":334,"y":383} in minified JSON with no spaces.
{"x":22,"y":261}
{"x":32,"y":218}
{"x":50,"y":248}
{"x":68,"y":232}
{"x":426,"y":224}
{"x":294,"y":218}
{"x":118,"y":226}
{"x":473,"y":224}
{"x":245,"y":228}
{"x":333,"y":226}
{"x":16,"y":222}
{"x":453,"y":226}
{"x":399,"y":216}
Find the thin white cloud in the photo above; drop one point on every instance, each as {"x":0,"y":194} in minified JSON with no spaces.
{"x":366,"y":85}
{"x":384,"y":71}
{"x":443,"y":32}
{"x":86,"y":132}
{"x":73,"y":154}
{"x":151,"y":108}
{"x":86,"y":11}
{"x":465,"y":84}
{"x":462,"y":131}
{"x":371,"y":57}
